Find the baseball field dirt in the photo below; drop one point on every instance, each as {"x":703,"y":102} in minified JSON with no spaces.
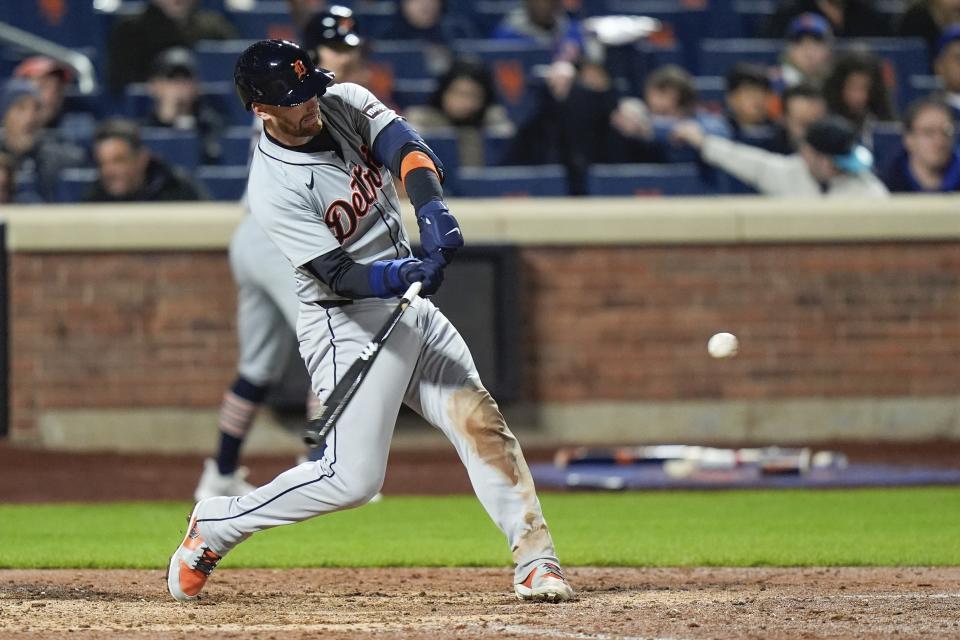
{"x":434,"y":604}
{"x":478,"y":603}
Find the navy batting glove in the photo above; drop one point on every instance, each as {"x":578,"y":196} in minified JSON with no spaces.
{"x":387,"y":278}
{"x":428,"y":272}
{"x":440,"y":234}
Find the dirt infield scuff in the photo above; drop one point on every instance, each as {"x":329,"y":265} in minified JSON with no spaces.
{"x":434,"y":604}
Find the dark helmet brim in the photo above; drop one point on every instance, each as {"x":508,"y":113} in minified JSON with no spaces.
{"x":313,"y":85}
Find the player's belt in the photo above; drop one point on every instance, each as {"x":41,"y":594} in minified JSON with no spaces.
{"x":332,"y":304}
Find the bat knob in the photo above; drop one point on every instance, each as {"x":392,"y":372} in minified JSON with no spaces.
{"x":312,"y":438}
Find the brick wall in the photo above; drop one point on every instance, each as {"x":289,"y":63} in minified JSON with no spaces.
{"x":119,"y":330}
{"x":813,"y":320}
{"x":603,"y":323}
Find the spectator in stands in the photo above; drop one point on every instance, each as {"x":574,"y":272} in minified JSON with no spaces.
{"x":946,"y":64}
{"x":136,"y":40}
{"x":806,"y":56}
{"x":928,"y":19}
{"x":831,"y":162}
{"x":848,"y":18}
{"x":748,"y":104}
{"x":8,"y":186}
{"x":302,"y":10}
{"x":427,"y":20}
{"x":177,"y":103}
{"x":930,"y":162}
{"x":543,"y":22}
{"x":803,"y":104}
{"x":39,"y":157}
{"x":668,"y":94}
{"x":669,"y":97}
{"x":52,"y":78}
{"x":331,"y":37}
{"x":571,"y":122}
{"x":855,"y":89}
{"x":467,"y":101}
{"x":129,"y":173}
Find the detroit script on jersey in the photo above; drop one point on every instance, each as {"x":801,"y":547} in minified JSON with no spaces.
{"x":342,"y":216}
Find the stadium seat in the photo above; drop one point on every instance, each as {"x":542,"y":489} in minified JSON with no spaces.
{"x":751,"y":15}
{"x":216,"y":58}
{"x":684,"y":23}
{"x":444,"y":143}
{"x":70,"y":24}
{"x":718,"y":56}
{"x":402,"y":58}
{"x":918,"y":86}
{"x":909,"y":56}
{"x":224,"y":182}
{"x":491,"y":182}
{"x":511,"y":63}
{"x":485,"y":15}
{"x":646,"y":180}
{"x":887,"y":143}
{"x":181,"y":148}
{"x":712,"y":92}
{"x":905,"y":56}
{"x":495,"y":148}
{"x":236,"y":145}
{"x":373,"y":17}
{"x":77,"y":127}
{"x":27,"y":191}
{"x":220,"y":95}
{"x":225,"y":94}
{"x":629,"y":65}
{"x":408,"y":92}
{"x":74,"y":184}
{"x":264,"y":20}
{"x":136,"y":100}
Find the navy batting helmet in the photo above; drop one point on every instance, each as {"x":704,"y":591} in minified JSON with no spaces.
{"x":278,"y":72}
{"x":335,"y":28}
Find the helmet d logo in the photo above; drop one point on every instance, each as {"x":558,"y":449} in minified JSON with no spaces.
{"x":300,"y":69}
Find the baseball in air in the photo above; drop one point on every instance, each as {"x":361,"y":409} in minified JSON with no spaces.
{"x":723,"y":345}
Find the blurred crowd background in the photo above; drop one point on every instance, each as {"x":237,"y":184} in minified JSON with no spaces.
{"x":517,"y":97}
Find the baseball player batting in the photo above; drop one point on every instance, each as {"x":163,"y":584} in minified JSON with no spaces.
{"x":321,"y":187}
{"x":266,"y":300}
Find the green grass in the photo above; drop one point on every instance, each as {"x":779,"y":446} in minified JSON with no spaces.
{"x":738,"y":528}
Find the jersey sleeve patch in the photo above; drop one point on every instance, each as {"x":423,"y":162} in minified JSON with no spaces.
{"x":374,"y":109}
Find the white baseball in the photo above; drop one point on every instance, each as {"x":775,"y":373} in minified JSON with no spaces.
{"x":723,"y":345}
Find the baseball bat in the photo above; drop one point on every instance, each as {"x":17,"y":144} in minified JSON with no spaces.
{"x":323,"y":422}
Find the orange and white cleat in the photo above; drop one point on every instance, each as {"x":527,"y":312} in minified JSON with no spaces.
{"x":191,"y":564}
{"x":544,"y":582}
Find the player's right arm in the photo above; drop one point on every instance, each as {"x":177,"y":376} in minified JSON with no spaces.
{"x":398,"y":146}
{"x":382,"y":279}
{"x":291,"y":221}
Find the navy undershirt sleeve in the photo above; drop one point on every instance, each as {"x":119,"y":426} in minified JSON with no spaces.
{"x":423,"y":185}
{"x":345,"y":277}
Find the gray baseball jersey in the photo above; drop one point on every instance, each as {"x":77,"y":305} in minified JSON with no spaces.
{"x":313,"y":203}
{"x":310,"y":204}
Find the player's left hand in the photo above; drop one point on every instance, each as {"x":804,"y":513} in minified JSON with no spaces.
{"x":440,"y":234}
{"x":428,"y":272}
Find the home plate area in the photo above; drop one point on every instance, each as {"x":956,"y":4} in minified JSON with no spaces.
{"x":479,"y":603}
